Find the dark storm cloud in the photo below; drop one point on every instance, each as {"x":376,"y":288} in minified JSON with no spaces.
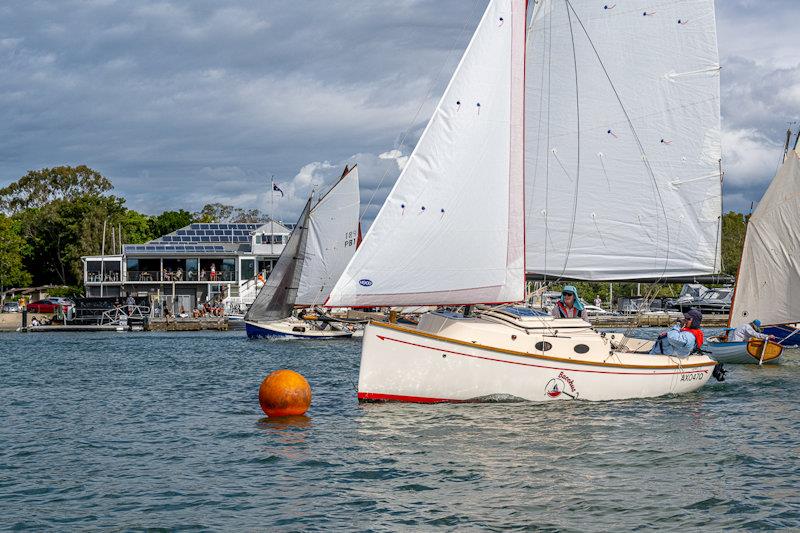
{"x":183,"y":103}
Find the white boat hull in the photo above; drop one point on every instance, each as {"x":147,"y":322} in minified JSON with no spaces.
{"x":734,"y":353}
{"x":403,"y":364}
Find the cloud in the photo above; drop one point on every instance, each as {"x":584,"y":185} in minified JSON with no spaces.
{"x":187,"y":103}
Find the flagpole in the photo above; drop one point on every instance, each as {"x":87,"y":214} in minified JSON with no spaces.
{"x":272,"y":222}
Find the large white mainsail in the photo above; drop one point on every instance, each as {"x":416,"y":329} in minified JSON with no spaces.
{"x":768,"y":285}
{"x":622,"y":140}
{"x":332,"y":238}
{"x":451,"y":230}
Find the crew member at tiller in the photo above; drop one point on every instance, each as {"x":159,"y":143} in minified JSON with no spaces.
{"x":683,"y":338}
{"x":569,"y":305}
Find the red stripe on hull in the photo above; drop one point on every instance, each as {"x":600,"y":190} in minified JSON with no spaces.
{"x":377,"y":397}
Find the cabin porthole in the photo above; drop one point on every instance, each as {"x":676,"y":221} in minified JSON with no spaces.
{"x":581,"y":348}
{"x":543,"y":346}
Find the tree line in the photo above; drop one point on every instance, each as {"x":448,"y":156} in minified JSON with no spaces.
{"x":51,"y":217}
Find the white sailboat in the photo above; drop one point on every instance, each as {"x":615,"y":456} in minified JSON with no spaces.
{"x":768,"y":282}
{"x":570,"y":133}
{"x":317,"y":252}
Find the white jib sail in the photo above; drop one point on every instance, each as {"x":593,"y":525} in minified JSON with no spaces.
{"x":622,"y":139}
{"x":768,"y":286}
{"x":332,"y":239}
{"x":451,"y":230}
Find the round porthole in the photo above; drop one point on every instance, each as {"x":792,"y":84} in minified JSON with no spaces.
{"x":543,"y":346}
{"x":581,"y":348}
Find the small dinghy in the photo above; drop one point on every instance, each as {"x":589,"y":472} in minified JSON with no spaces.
{"x":754,"y":351}
{"x":769,"y":274}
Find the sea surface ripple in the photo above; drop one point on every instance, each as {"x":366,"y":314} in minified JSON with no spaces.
{"x":130,"y":431}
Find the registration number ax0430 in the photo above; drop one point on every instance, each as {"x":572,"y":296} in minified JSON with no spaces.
{"x":694,"y":376}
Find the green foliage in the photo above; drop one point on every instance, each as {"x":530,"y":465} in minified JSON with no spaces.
{"x":734,"y":226}
{"x":75,"y":291}
{"x":169,"y":221}
{"x":12,"y":247}
{"x":227,"y":213}
{"x":40,"y":187}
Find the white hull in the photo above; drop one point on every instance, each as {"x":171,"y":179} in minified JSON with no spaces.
{"x":734,"y":353}
{"x":456,"y":359}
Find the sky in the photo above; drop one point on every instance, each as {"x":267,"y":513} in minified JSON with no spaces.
{"x":183,"y":103}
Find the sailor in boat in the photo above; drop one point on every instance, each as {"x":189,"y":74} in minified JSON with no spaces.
{"x":745,"y":332}
{"x":569,"y":305}
{"x":683,"y":338}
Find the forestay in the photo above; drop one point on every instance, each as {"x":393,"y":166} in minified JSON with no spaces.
{"x":622,"y":139}
{"x":451,"y":230}
{"x":768,"y":286}
{"x":276,"y":299}
{"x":332,"y":239}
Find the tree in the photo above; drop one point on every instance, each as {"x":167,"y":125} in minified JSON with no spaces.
{"x":40,"y":187}
{"x":12,"y":246}
{"x":169,"y":221}
{"x":227,"y":213}
{"x":734,"y":226}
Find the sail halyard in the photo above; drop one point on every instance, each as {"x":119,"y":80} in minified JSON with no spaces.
{"x":277,"y":297}
{"x":622,"y":141}
{"x":451,"y":231}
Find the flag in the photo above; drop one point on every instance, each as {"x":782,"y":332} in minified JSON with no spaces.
{"x":276,"y":188}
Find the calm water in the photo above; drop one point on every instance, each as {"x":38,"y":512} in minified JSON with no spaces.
{"x":131,"y":431}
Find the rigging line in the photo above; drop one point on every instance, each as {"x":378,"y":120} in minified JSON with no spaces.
{"x":433,"y":84}
{"x":633,"y":130}
{"x":578,"y":162}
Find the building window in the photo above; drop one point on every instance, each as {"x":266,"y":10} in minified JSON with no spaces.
{"x":248,"y":268}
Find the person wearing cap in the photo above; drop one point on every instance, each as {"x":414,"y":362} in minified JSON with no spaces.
{"x":682,"y":338}
{"x":745,"y":332}
{"x":569,"y":305}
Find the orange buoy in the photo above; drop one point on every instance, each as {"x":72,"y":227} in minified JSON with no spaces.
{"x":284,"y":393}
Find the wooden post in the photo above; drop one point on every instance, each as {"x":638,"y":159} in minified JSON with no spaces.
{"x":393,"y":316}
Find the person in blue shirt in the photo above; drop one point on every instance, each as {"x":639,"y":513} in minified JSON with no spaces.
{"x":682,"y":338}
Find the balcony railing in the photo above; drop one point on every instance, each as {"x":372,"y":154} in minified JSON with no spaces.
{"x":178,"y":277}
{"x":143,"y":275}
{"x":97,"y":277}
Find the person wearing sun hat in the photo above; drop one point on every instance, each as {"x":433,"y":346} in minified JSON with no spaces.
{"x":745,"y":332}
{"x":682,"y":338}
{"x":569,"y":305}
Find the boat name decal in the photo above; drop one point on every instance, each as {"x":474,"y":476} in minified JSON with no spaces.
{"x":694,"y":376}
{"x":569,"y":381}
{"x":365,"y":282}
